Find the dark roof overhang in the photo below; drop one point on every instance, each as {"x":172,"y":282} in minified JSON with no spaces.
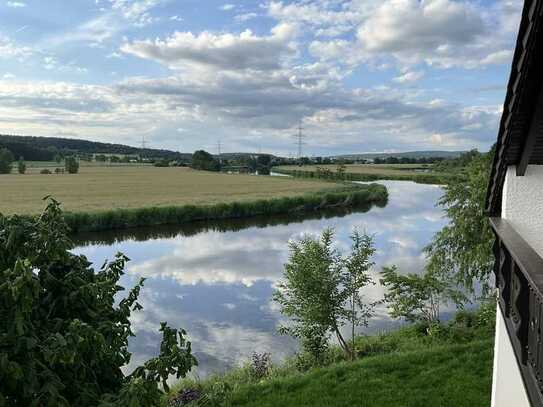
{"x":520,"y":137}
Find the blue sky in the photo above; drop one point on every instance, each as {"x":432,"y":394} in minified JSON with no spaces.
{"x":361,"y":75}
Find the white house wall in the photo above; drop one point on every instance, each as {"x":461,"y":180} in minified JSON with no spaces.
{"x":507,"y":386}
{"x":522,"y":204}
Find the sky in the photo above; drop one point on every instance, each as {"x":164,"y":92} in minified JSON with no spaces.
{"x":358,"y":75}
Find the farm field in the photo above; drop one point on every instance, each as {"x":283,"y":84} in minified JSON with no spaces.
{"x":390,"y":169}
{"x":99,"y":188}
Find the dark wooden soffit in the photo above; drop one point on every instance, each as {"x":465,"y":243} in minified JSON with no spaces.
{"x":520,"y":136}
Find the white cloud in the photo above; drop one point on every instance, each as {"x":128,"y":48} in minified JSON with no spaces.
{"x":8,"y":75}
{"x":176,"y":18}
{"x":136,"y":11}
{"x":228,"y":7}
{"x":15,"y":4}
{"x":498,"y":57}
{"x":10,"y":50}
{"x":220,"y":51}
{"x":245,"y":17}
{"x":440,"y":33}
{"x":408,"y":77}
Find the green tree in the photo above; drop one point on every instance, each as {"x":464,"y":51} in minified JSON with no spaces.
{"x":64,"y":328}
{"x":21,"y":166}
{"x":6,"y":160}
{"x":320,"y":291}
{"x":462,"y":250}
{"x":202,"y":160}
{"x":356,"y":277}
{"x":58,"y":158}
{"x":71,"y":165}
{"x":417,"y":297}
{"x":263,"y":164}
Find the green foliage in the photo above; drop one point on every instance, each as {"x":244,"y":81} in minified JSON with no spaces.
{"x":63,"y":339}
{"x":6,"y":159}
{"x":346,"y":197}
{"x":326,"y":173}
{"x":162,"y":163}
{"x":202,"y":160}
{"x":21,"y":166}
{"x":320,"y":291}
{"x":263,"y":164}
{"x":462,"y":250}
{"x":417,"y":297}
{"x":341,"y":170}
{"x":46,"y":171}
{"x":71,"y":164}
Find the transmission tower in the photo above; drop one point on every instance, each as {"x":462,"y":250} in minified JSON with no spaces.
{"x":300,"y":140}
{"x":143,"y":142}
{"x":219,"y":152}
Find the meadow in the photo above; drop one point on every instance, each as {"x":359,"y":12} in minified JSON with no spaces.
{"x":392,"y":169}
{"x":98,"y":188}
{"x":421,"y":173}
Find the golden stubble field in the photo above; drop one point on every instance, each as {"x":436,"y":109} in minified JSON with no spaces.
{"x":102,"y":188}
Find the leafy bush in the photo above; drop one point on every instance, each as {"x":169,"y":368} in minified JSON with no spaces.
{"x":321,"y":291}
{"x":71,"y":165}
{"x":260,"y":364}
{"x":6,"y":159}
{"x":21,"y":166}
{"x":45,"y":171}
{"x":63,"y":339}
{"x":202,"y":160}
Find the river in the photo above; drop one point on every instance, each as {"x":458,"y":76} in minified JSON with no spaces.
{"x":215,"y":280}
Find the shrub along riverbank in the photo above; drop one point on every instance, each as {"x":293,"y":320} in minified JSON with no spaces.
{"x":418,"y":177}
{"x":345,"y":196}
{"x":447,"y":365}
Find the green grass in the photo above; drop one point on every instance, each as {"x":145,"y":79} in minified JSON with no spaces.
{"x":452,"y":375}
{"x":372,"y":172}
{"x":347,"y":196}
{"x":99,"y":188}
{"x":447,"y":365}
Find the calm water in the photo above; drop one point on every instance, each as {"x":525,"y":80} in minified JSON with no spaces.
{"x":216,"y":280}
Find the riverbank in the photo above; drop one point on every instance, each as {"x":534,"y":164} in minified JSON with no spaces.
{"x":343,"y":196}
{"x":368,"y":173}
{"x":96,"y":189}
{"x":452,"y":366}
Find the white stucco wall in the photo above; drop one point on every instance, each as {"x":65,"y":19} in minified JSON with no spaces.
{"x":522,"y":204}
{"x":507,"y":386}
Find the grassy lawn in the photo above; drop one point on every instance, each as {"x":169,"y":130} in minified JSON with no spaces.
{"x":453,"y":375}
{"x":98,"y":188}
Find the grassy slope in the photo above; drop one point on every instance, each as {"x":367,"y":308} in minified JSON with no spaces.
{"x":452,"y":375}
{"x":103,"y":188}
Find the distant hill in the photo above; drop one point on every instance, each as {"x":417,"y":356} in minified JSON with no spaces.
{"x":407,"y":154}
{"x":45,"y":148}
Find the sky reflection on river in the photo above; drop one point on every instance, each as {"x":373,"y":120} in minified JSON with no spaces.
{"x":218,"y":284}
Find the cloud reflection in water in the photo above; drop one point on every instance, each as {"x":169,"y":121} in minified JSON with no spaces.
{"x":218,"y":284}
